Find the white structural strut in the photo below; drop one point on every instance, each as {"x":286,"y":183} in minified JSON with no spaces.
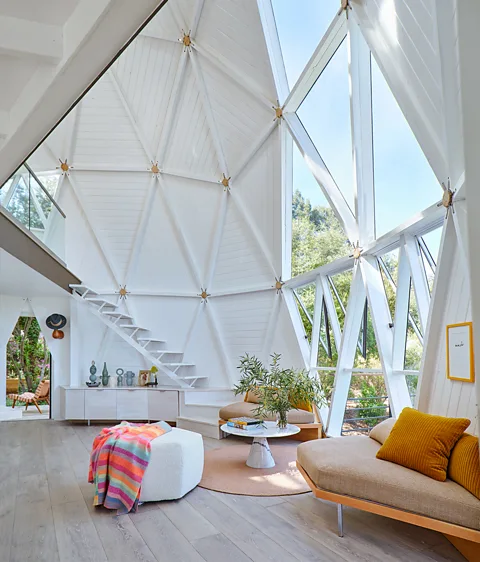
{"x":136,"y":336}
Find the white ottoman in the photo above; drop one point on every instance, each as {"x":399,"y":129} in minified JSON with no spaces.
{"x":175,"y":467}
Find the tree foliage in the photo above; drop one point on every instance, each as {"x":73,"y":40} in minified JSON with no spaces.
{"x":28,"y":358}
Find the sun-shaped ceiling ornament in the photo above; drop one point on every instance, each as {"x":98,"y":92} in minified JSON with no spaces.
{"x":447,"y":198}
{"x":204,"y":294}
{"x":344,"y":7}
{"x":278,"y":111}
{"x":225,"y":182}
{"x":186,"y":40}
{"x":154,"y":168}
{"x":65,"y":167}
{"x":122,"y":292}
{"x":279,"y":284}
{"x":357,"y":252}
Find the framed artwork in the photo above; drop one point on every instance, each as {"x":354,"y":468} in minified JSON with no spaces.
{"x":143,"y":377}
{"x":460,"y":365}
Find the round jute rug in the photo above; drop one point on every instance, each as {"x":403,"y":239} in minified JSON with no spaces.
{"x":225,"y":471}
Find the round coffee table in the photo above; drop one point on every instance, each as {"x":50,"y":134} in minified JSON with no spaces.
{"x":260,"y":455}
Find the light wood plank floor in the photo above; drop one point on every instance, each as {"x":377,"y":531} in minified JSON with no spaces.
{"x":46,"y":515}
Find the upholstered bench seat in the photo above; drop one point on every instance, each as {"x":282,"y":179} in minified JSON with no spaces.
{"x":240,"y":409}
{"x":175,"y":466}
{"x":348,"y":466}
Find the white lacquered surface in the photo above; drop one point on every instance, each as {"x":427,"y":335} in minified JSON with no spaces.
{"x":269,"y":431}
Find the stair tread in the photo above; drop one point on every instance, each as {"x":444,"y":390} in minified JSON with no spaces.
{"x":132,"y":326}
{"x":151,"y":339}
{"x":119,"y":314}
{"x":165,"y":352}
{"x":187,"y":377}
{"x":178,"y":364}
{"x":99,"y":299}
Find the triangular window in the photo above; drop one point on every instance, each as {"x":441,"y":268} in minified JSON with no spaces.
{"x":300,"y":27}
{"x":404,"y":181}
{"x":305,"y":299}
{"x":325,"y":114}
{"x":317,"y":235}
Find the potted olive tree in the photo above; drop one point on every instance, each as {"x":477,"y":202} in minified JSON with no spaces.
{"x":278,"y":390}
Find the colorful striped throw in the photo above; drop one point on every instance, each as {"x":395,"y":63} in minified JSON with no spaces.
{"x":118,"y":461}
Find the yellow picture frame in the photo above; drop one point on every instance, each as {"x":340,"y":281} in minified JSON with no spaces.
{"x":456,"y":340}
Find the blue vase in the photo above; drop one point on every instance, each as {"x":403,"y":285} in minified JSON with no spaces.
{"x":105,"y":375}
{"x":129,"y":375}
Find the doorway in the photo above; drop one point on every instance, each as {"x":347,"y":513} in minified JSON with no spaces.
{"x":29,"y":370}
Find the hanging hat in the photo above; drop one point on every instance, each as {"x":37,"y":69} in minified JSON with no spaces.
{"x":56,"y":321}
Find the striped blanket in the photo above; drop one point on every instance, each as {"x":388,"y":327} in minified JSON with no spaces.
{"x":118,"y":461}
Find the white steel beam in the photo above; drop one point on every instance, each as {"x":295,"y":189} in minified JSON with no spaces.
{"x":331,"y":311}
{"x":362,"y":132}
{"x":317,"y":320}
{"x":402,"y":299}
{"x":396,"y":383}
{"x":323,"y":53}
{"x":324,"y":179}
{"x":217,"y":239}
{"x":346,"y":354}
{"x":287,"y":199}
{"x":267,"y":17}
{"x":419,"y":279}
{"x":298,"y":328}
{"x":196,"y":18}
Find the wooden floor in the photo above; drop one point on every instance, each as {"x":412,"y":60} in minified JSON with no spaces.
{"x":46,"y":514}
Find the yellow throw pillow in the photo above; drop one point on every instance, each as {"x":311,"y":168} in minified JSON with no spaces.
{"x":464,"y":464}
{"x":423,"y":442}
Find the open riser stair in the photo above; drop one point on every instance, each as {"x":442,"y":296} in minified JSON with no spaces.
{"x":170,"y":363}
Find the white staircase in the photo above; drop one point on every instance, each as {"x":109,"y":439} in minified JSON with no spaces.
{"x":168,"y":362}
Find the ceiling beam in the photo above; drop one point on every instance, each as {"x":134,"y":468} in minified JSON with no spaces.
{"x":24,"y":38}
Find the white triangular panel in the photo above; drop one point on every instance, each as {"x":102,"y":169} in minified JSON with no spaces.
{"x":244,"y":322}
{"x":234,"y":29}
{"x":240,"y":262}
{"x":145,"y":74}
{"x":191,"y":148}
{"x":203,"y":348}
{"x":114,"y":202}
{"x":162,"y":264}
{"x":83,"y":255}
{"x":257,"y":186}
{"x":105,"y":136}
{"x":198,"y":205}
{"x":241,"y":118}
{"x":164,"y":27}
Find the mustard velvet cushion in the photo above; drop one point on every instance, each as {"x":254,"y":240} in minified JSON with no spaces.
{"x":423,"y":442}
{"x":464,"y":464}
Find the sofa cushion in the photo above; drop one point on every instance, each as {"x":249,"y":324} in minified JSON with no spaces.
{"x":348,"y":466}
{"x":239,"y":409}
{"x":381,"y":431}
{"x":423,"y":442}
{"x":464,"y":464}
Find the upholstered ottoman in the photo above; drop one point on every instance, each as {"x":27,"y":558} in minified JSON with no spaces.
{"x":175,"y":467}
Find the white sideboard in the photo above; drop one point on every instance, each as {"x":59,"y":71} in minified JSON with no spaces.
{"x":130,"y":404}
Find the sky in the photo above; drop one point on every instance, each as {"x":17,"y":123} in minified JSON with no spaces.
{"x":404,"y":182}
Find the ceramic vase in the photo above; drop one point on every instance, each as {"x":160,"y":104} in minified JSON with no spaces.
{"x":105,"y":375}
{"x":93,"y":373}
{"x":129,"y":375}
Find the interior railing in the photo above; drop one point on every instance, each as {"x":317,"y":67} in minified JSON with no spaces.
{"x":26,"y":198}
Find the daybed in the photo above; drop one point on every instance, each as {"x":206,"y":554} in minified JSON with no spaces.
{"x":345,"y":470}
{"x":308,"y":422}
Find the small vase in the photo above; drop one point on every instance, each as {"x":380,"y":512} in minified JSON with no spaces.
{"x":282,"y":420}
{"x":105,"y":375}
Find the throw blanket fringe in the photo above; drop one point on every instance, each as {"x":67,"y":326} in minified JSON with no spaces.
{"x":119,"y":457}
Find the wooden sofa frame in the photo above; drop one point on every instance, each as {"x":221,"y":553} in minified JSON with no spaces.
{"x":466,"y":540}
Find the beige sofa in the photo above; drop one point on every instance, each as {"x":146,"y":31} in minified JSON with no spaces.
{"x":346,"y":471}
{"x":308,"y":422}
